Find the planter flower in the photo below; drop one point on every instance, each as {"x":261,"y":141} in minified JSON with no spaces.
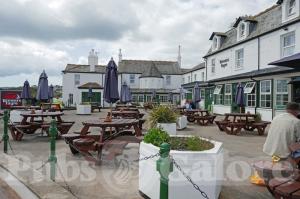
{"x":200,"y":159}
{"x":164,"y":117}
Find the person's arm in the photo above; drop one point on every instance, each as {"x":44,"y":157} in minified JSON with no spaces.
{"x":297,"y":131}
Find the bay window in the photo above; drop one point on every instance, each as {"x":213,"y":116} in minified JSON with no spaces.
{"x":265,"y":94}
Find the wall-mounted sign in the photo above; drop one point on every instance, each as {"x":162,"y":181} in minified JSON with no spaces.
{"x":224,"y":62}
{"x":10,"y":98}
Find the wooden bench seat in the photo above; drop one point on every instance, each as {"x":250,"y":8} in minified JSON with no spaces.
{"x":260,"y":126}
{"x":233,"y":128}
{"x":221,"y":124}
{"x":204,"y":120}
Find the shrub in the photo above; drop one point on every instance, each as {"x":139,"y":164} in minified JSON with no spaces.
{"x":257,"y":117}
{"x":156,"y":136}
{"x":163,"y":114}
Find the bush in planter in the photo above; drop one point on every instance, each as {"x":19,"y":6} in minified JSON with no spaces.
{"x":163,"y":114}
{"x":257,"y":117}
{"x":157,"y":136}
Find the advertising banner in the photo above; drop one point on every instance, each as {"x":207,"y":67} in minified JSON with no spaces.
{"x":10,"y":98}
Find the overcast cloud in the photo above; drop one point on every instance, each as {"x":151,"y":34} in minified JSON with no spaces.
{"x":37,"y":35}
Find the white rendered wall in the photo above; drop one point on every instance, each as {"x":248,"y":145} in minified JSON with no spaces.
{"x":151,"y":83}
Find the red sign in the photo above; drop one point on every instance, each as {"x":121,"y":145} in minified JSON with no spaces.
{"x":10,"y":98}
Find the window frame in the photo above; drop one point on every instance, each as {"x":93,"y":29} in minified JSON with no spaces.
{"x":227,"y":95}
{"x":195,"y":77}
{"x":77,"y":79}
{"x":132,"y":78}
{"x":282,"y":94}
{"x":283,"y":48}
{"x":249,"y":87}
{"x":239,"y":61}
{"x":291,"y":8}
{"x":261,"y":93}
{"x":218,"y":89}
{"x":242,"y":29}
{"x":168,"y":80}
{"x":213,"y":65}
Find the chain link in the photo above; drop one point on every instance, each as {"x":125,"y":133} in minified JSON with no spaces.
{"x":189,"y":179}
{"x":148,"y":157}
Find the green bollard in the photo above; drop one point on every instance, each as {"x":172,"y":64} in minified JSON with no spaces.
{"x":164,"y":166}
{"x":52,"y":158}
{"x":5,"y":133}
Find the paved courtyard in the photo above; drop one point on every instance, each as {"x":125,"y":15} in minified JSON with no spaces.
{"x":118,"y":177}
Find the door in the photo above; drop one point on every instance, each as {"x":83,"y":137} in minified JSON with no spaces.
{"x":95,"y":98}
{"x":208,"y":97}
{"x":234,"y":107}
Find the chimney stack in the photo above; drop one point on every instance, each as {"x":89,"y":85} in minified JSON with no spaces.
{"x":120,"y":55}
{"x":93,"y":60}
{"x":179,"y":56}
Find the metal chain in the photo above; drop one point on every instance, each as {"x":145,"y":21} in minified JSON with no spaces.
{"x":65,"y":182}
{"x":43,"y":165}
{"x":204,"y":195}
{"x":148,"y":157}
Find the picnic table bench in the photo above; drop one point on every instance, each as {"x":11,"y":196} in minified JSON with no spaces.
{"x":85,"y":143}
{"x":96,"y":106}
{"x":233,"y":123}
{"x":282,"y":178}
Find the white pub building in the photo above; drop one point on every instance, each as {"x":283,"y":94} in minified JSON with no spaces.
{"x":242,"y":54}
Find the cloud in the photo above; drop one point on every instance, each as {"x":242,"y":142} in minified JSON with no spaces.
{"x":37,"y":35}
{"x":66,"y":20}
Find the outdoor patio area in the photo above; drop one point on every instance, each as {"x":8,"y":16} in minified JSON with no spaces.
{"x":117,"y":177}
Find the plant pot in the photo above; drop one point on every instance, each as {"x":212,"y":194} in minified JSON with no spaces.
{"x":182,"y":122}
{"x":205,"y":168}
{"x":170,"y":128}
{"x":83,"y":109}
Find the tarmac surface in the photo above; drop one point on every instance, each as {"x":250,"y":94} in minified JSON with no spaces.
{"x":118,"y":177}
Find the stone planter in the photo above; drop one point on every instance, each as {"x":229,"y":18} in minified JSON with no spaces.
{"x":170,"y":128}
{"x":205,"y":168}
{"x":83,"y":109}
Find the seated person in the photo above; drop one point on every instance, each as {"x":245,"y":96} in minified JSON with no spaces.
{"x":57,"y":100}
{"x":187,"y":105}
{"x":284,"y":130}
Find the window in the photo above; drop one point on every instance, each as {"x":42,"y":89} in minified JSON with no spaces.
{"x":282,"y":96}
{"x":76,"y":79}
{"x":227,"y":97}
{"x":202,"y":93}
{"x":70,"y":101}
{"x":291,"y":7}
{"x":168,"y":80}
{"x":239,"y":59}
{"x":183,"y":80}
{"x":189,"y":79}
{"x":132,"y":78}
{"x":213,"y":65}
{"x":195,"y":77}
{"x":141,"y":98}
{"x":134,"y":98}
{"x":218,"y":94}
{"x":202,"y":76}
{"x":287,"y":44}
{"x":250,"y":92}
{"x":215,"y":43}
{"x":148,"y":98}
{"x":242,"y":30}
{"x":163,"y":98}
{"x":265,"y":94}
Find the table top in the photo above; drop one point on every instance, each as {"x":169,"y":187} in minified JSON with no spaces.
{"x":42,"y":114}
{"x":125,"y":112}
{"x":125,"y":106}
{"x":240,"y":114}
{"x":25,"y":107}
{"x":196,"y":110}
{"x":114,"y":123}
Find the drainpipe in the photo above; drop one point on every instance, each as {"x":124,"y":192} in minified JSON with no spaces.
{"x":258,"y":53}
{"x":256,"y":82}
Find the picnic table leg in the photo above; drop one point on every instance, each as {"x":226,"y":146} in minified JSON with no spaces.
{"x":137,"y":130}
{"x":100,"y":147}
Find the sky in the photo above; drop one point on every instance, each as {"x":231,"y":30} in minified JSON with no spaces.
{"x":37,"y":35}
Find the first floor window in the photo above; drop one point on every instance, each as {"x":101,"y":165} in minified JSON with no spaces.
{"x":132,"y":78}
{"x":282,"y":95}
{"x":202,"y":78}
{"x":189,"y":79}
{"x":77,"y":79}
{"x":288,"y":44}
{"x":250,"y":92}
{"x":195,"y":77}
{"x":168,"y":80}
{"x":227,"y":97}
{"x":239,"y":59}
{"x":265,"y":94}
{"x":213,"y":65}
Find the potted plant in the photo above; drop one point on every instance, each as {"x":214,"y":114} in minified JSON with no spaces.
{"x":164,"y":117}
{"x":201,"y":159}
{"x":84,"y":108}
{"x":257,"y":117}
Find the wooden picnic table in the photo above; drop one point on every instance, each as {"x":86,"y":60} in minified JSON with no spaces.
{"x":126,"y":114}
{"x":126,"y":109}
{"x":85,"y":143}
{"x":233,"y":123}
{"x":42,"y":115}
{"x":125,"y":106}
{"x":25,"y":108}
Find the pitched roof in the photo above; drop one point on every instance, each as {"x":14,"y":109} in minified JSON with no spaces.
{"x":140,"y":66}
{"x":245,"y":18}
{"x":92,"y":85}
{"x":218,"y":34}
{"x":151,"y":71}
{"x":79,"y":68}
{"x":197,"y":67}
{"x":267,"y":21}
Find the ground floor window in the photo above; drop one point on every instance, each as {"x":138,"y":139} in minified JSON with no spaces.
{"x":163,"y":98}
{"x":250,"y":92}
{"x":282,"y":95}
{"x":148,"y":98}
{"x":218,"y":94}
{"x":141,"y":98}
{"x":228,"y":93}
{"x":134,"y":98}
{"x":70,"y":100}
{"x":265,"y":94}
{"x":202,"y":94}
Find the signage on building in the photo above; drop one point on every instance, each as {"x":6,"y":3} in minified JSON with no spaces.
{"x":10,"y":98}
{"x":224,"y":62}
